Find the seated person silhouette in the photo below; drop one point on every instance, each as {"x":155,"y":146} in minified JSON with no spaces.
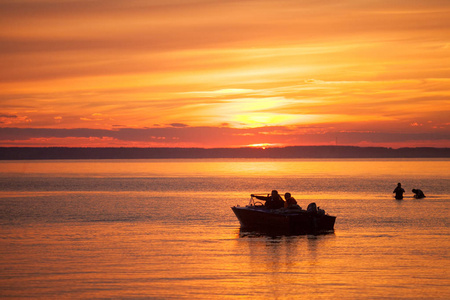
{"x":290,"y":201}
{"x":274,"y":201}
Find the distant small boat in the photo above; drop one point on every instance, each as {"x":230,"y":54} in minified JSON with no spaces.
{"x":284,"y":220}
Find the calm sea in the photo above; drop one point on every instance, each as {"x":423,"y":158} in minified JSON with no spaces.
{"x":163,"y":229}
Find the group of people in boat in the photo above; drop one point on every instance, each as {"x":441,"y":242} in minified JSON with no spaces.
{"x":399,"y":191}
{"x":274,"y":200}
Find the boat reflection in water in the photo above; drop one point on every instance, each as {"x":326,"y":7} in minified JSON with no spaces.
{"x":257,"y":217}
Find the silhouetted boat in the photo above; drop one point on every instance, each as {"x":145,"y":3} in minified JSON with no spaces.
{"x":284,"y":220}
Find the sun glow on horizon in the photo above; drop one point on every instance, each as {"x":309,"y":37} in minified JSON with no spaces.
{"x":263,"y":146}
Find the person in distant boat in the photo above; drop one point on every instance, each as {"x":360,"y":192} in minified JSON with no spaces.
{"x":273,"y":201}
{"x":290,"y":201}
{"x":399,"y":191}
{"x":418,"y":194}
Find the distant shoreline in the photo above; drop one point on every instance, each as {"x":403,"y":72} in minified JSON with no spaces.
{"x":32,"y":153}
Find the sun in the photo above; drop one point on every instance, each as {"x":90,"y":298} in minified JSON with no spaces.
{"x":262,"y":145}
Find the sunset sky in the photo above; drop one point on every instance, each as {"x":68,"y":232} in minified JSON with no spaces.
{"x":210,"y":73}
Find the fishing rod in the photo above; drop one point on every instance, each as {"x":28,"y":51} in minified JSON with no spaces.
{"x":252,"y":200}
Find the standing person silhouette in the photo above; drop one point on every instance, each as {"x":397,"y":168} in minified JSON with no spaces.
{"x":399,"y":191}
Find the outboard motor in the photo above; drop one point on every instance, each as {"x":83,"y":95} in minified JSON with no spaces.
{"x":312,"y":208}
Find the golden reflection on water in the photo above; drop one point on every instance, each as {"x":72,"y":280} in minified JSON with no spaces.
{"x":228,"y":167}
{"x":168,"y":261}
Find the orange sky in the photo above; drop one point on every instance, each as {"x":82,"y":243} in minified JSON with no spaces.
{"x":193,"y":73}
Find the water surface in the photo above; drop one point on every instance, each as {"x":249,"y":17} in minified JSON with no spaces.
{"x":164,"y":229}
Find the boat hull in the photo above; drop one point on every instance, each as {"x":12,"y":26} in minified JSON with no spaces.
{"x":283,"y":220}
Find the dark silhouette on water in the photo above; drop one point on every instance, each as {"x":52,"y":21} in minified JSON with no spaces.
{"x":294,"y":220}
{"x":273,"y":201}
{"x":399,"y":191}
{"x":290,"y":201}
{"x":418,"y":194}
